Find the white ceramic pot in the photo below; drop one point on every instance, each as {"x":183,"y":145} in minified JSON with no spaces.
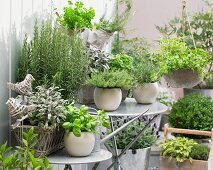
{"x":79,"y":146}
{"x":146,"y":93}
{"x":107,"y":99}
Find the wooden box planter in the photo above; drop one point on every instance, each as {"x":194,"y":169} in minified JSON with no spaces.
{"x":48,"y":140}
{"x":167,"y":164}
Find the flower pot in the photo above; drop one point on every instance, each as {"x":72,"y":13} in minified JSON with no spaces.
{"x":99,"y":38}
{"x":107,"y":99}
{"x":183,"y":78}
{"x":124,"y":94}
{"x":85,"y":95}
{"x":131,"y":160}
{"x":79,"y":146}
{"x":167,"y":164}
{"x":204,"y":92}
{"x":146,"y":93}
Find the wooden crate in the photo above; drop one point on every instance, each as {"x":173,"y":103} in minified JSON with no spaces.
{"x":167,"y":164}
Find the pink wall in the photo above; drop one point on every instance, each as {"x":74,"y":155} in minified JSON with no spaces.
{"x":148,"y":13}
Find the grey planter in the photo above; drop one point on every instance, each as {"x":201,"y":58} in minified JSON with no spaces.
{"x":205,"y":92}
{"x":85,"y":95}
{"x":130,"y":161}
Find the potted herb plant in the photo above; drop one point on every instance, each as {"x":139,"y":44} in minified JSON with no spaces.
{"x":180,"y":65}
{"x":80,"y":128}
{"x":59,"y":60}
{"x":137,"y":157}
{"x":45,"y":119}
{"x":76,"y":16}
{"x":102,"y":35}
{"x":121,"y":62}
{"x":107,"y":94}
{"x":184,"y":153}
{"x":146,"y":75}
{"x":193,"y":111}
{"x":202,"y":39}
{"x":98,"y":61}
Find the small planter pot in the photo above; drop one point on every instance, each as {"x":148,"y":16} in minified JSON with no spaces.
{"x":99,"y":38}
{"x":183,"y":78}
{"x":79,"y":146}
{"x":204,"y":92}
{"x":167,"y":164}
{"x":146,"y":93}
{"x":130,"y":160}
{"x":124,"y":94}
{"x":107,"y":99}
{"x":85,"y":95}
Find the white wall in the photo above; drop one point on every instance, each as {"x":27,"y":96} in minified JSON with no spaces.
{"x":16,"y":19}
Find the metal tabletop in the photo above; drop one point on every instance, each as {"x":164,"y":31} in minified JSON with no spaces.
{"x":131,"y":108}
{"x":62,"y":157}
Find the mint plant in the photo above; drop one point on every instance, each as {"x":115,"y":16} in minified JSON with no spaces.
{"x":79,"y":120}
{"x":76,"y":16}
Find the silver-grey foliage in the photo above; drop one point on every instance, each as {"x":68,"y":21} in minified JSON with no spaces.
{"x":49,"y":107}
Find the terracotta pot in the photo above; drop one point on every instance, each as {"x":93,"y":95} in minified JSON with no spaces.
{"x":183,"y":78}
{"x":79,"y":146}
{"x":107,"y":99}
{"x":167,"y":164}
{"x":146,"y":93}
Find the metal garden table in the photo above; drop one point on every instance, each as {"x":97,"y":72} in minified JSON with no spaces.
{"x":62,"y":158}
{"x":130,"y":108}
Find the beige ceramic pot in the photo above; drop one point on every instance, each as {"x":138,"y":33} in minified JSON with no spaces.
{"x":146,"y":93}
{"x":107,"y":99}
{"x":79,"y":146}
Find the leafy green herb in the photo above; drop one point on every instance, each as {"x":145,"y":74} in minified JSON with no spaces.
{"x":193,"y":111}
{"x":121,"y":62}
{"x":23,"y":158}
{"x":178,"y":148}
{"x":111,"y":79}
{"x":76,"y":16}
{"x":175,"y":55}
{"x":147,"y":139}
{"x":79,"y":120}
{"x":145,"y":71}
{"x":118,"y":21}
{"x":200,"y":152}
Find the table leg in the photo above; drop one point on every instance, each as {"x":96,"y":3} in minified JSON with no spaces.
{"x":117,"y":161}
{"x":68,"y":167}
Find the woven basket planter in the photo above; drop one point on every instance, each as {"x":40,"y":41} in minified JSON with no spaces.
{"x":183,"y":78}
{"x":48,"y":140}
